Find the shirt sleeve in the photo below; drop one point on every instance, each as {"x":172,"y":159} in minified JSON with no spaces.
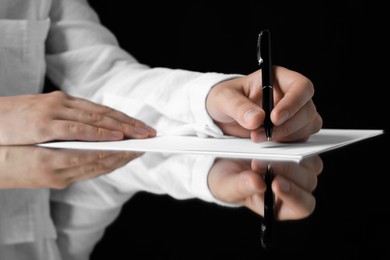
{"x":84,"y":59}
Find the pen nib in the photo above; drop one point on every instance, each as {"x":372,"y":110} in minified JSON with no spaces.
{"x":269,"y":139}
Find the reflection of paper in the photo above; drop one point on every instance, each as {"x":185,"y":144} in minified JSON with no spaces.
{"x":325,"y":140}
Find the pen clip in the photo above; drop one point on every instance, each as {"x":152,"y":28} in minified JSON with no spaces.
{"x":259,"y":59}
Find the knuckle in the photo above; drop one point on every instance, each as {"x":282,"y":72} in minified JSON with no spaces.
{"x":93,"y":169}
{"x":74,"y":161}
{"x":135,"y":122}
{"x":58,"y":94}
{"x":94,"y":117}
{"x":100,"y":132}
{"x":75,"y":128}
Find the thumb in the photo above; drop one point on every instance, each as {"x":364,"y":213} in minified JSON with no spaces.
{"x":227,"y":103}
{"x":245,"y":112}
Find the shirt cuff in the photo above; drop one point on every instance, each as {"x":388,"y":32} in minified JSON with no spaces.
{"x":199,"y":89}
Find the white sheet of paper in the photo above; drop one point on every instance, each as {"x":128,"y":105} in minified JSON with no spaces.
{"x":324,"y":140}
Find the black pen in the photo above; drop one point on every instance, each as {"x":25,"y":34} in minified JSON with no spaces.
{"x":265,"y":61}
{"x":267,"y":226}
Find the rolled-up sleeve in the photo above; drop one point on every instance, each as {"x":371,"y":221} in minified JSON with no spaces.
{"x":84,"y":59}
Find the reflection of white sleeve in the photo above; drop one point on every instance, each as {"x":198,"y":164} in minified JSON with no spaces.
{"x":82,"y":212}
{"x":181,"y":176}
{"x":26,"y":229}
{"x":85,"y":60}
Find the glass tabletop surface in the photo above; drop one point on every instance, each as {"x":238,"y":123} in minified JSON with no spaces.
{"x":91,"y":204}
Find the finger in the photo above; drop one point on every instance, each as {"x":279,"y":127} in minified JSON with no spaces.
{"x":251,"y":182}
{"x":295,"y":129}
{"x":303,"y":174}
{"x":65,"y":158}
{"x":295,"y":91}
{"x":256,"y":203}
{"x":94,"y":112}
{"x":68,"y":130}
{"x":233,"y":105}
{"x":136,"y":130}
{"x":110,"y":162}
{"x":232,"y":181}
{"x":245,"y":112}
{"x":243,"y":186}
{"x":303,"y":177}
{"x":300,"y":135}
{"x":292,"y":201}
{"x":259,"y":166}
{"x":305,"y":116}
{"x":313,"y":164}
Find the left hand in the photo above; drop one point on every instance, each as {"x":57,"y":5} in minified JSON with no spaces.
{"x":235,"y":106}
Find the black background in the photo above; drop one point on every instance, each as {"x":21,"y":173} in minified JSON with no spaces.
{"x":342,"y":47}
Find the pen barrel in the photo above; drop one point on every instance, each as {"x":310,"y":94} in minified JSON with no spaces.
{"x":267,"y":79}
{"x":268,"y":104}
{"x":268,"y":100}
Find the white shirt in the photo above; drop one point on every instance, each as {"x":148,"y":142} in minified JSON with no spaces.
{"x":65,"y":39}
{"x":84,"y":59}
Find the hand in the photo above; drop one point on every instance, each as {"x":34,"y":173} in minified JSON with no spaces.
{"x":235,"y":106}
{"x":242,"y":182}
{"x":31,"y":119}
{"x":39,"y":167}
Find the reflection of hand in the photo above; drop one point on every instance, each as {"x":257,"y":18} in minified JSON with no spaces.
{"x":241,"y":182}
{"x":38,"y":167}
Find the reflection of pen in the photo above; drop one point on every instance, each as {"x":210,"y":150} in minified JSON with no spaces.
{"x":265,"y":61}
{"x":267,"y":226}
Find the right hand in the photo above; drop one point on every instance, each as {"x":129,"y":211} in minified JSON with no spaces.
{"x":32,"y":119}
{"x":236,"y":107}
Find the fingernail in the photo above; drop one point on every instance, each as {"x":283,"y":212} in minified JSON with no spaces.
{"x":250,"y":114}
